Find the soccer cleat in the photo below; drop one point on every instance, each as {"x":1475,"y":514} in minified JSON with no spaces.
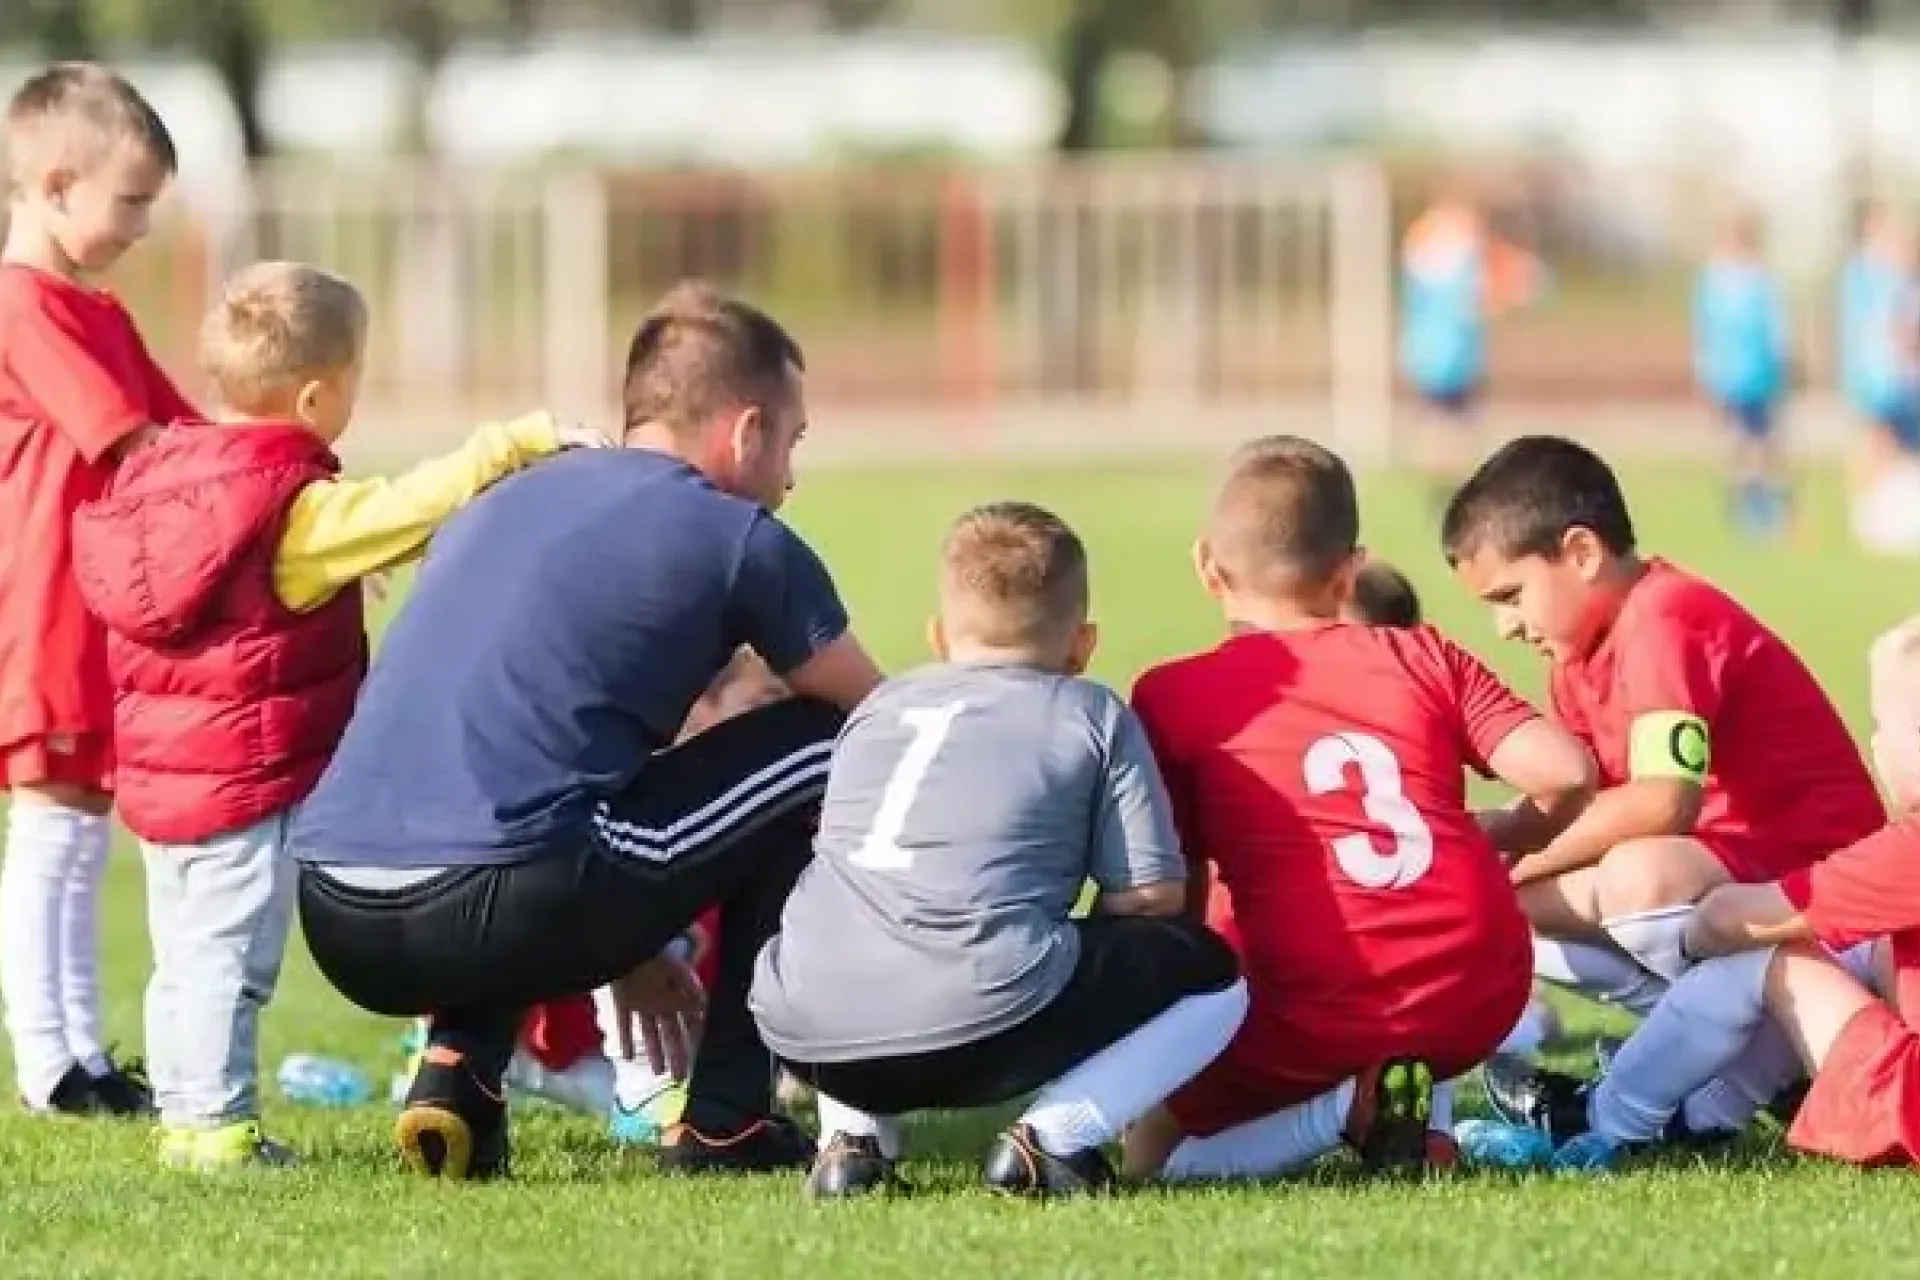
{"x":1520,"y":1093}
{"x":1495,"y":1144}
{"x":646,"y":1123}
{"x":1587,"y":1153}
{"x":72,"y":1096}
{"x":235,"y":1146}
{"x":1017,"y":1165}
{"x":124,"y":1090}
{"x":770,"y":1144}
{"x":452,"y":1125}
{"x":1388,"y":1123}
{"x":851,"y":1166}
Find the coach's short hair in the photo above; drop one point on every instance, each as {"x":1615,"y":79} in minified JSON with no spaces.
{"x":1286,"y":508}
{"x":1013,"y":576}
{"x":1383,"y":596}
{"x":698,"y":352}
{"x":277,"y":326}
{"x":1526,"y":498}
{"x":71,"y":113}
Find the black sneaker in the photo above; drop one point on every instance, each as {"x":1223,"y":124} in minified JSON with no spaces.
{"x":851,"y":1166}
{"x":1392,"y":1109}
{"x":1018,"y":1166}
{"x":1520,"y":1093}
{"x":125,"y":1089}
{"x":73,"y":1096}
{"x":770,"y":1144}
{"x":452,"y":1125}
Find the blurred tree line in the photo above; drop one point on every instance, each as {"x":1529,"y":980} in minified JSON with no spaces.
{"x":1083,"y":38}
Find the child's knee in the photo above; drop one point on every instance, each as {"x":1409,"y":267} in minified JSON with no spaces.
{"x":1654,"y":872}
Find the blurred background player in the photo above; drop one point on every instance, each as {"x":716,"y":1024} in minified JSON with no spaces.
{"x":1742,"y":358}
{"x":1879,"y":342}
{"x":1456,"y":275}
{"x":1382,"y":945}
{"x":87,"y":157}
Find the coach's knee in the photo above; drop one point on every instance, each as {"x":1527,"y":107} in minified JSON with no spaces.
{"x":1653,"y":873}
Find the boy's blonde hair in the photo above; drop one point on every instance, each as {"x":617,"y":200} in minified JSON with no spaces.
{"x":72,"y":113}
{"x":277,"y":326}
{"x":1013,"y":576}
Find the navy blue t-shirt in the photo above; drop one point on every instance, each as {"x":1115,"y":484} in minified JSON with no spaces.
{"x":558,"y":633}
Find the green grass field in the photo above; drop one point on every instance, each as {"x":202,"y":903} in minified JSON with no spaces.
{"x":82,"y":1200}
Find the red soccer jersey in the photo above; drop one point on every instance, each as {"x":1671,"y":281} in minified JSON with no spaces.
{"x":1868,"y":890}
{"x":1322,"y":776}
{"x":1785,"y":783}
{"x":75,"y":379}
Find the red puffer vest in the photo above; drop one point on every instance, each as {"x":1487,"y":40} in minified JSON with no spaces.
{"x":227,"y":704}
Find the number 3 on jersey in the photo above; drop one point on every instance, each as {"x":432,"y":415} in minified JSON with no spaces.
{"x":1382,"y":799}
{"x":881,"y":850}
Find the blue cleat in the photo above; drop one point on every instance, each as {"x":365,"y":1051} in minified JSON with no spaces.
{"x":1495,"y":1144}
{"x":1587,"y":1153}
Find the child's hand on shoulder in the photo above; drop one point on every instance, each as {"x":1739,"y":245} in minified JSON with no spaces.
{"x":577,"y":435}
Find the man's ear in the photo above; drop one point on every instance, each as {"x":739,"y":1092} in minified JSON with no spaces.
{"x":747,"y":437}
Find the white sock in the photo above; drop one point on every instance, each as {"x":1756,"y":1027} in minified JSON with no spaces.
{"x":1440,"y":1120}
{"x":1536,"y":1026}
{"x":1767,"y":1065}
{"x":838,"y":1117}
{"x":42,"y":842}
{"x":1270,"y":1145}
{"x":80,"y":942}
{"x":1091,"y":1104}
{"x":1693,"y":1035}
{"x":1599,"y":972}
{"x":1654,"y":938}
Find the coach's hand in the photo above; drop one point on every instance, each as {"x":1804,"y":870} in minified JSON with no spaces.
{"x":667,"y":1001}
{"x":576,"y":435}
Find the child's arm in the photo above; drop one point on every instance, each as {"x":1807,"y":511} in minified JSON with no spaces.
{"x":1671,"y":687}
{"x":102,"y":411}
{"x":339,"y":531}
{"x":1870,"y":889}
{"x":1508,"y":740}
{"x":1136,"y":860}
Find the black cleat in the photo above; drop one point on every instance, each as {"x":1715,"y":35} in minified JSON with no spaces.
{"x":73,"y":1096}
{"x":125,"y":1089}
{"x":1394,"y":1109}
{"x":1786,"y":1104}
{"x":851,"y":1166}
{"x":770,"y":1144}
{"x":1018,"y":1166}
{"x":1520,"y":1093}
{"x":452,"y":1125}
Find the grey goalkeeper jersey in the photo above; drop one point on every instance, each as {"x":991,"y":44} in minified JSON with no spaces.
{"x":966,"y":808}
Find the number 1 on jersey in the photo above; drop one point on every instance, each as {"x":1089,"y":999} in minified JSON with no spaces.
{"x":881,"y":850}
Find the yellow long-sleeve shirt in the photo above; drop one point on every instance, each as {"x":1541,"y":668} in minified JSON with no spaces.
{"x":340,"y":531}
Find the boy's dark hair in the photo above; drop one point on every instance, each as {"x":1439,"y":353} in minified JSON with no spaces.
{"x":697,"y":352}
{"x":1383,"y":597}
{"x":1013,"y":575}
{"x":1286,"y":506}
{"x":1524,"y":500}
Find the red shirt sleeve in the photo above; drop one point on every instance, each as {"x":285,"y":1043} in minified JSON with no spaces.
{"x":1488,"y":710}
{"x":1154,"y":703}
{"x":85,"y":379}
{"x":1867,"y":890}
{"x":1665,"y":664}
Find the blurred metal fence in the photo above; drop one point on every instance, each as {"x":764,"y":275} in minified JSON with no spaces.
{"x":1142,"y":297}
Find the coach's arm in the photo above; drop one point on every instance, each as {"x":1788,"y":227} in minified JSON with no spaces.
{"x":841,"y":674}
{"x":1168,"y":898}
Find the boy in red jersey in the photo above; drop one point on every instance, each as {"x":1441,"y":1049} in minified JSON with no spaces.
{"x":1721,"y":759}
{"x":87,"y":157}
{"x":1317,"y":767}
{"x":225,"y":560}
{"x":1799,"y":957}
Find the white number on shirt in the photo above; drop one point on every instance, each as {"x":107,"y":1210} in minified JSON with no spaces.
{"x":1384,"y":802}
{"x":881,"y":850}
